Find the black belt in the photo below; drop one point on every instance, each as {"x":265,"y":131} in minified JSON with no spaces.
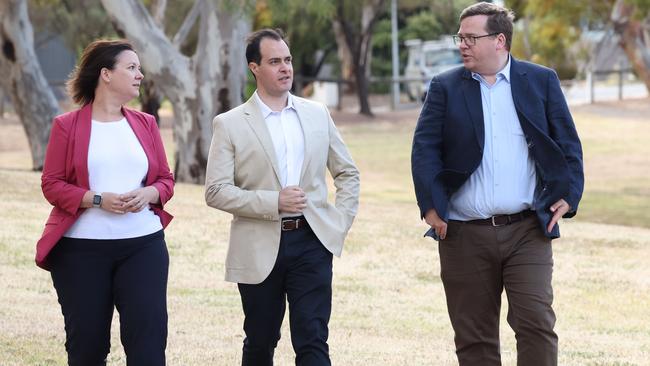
{"x":293,"y":223}
{"x":502,"y":220}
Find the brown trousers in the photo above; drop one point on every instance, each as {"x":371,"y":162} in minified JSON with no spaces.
{"x":477,"y":263}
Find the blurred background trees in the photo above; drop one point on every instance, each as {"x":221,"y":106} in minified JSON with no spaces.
{"x":22,"y":80}
{"x":192,"y":51}
{"x":549,"y":32}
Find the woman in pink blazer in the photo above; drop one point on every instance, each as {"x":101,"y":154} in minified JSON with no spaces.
{"x":107,"y":177}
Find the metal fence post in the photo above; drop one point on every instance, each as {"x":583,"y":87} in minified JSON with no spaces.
{"x":620,"y":83}
{"x":590,"y":87}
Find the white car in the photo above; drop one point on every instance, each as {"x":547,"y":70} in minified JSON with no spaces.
{"x":426,"y":59}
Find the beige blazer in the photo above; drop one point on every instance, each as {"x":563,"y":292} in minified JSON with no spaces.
{"x":242,"y":178}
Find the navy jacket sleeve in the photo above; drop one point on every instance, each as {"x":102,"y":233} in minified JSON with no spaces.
{"x":426,"y":154}
{"x":563,"y":132}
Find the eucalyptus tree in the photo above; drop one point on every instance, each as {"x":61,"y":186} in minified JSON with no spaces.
{"x":631,"y":19}
{"x":199,"y":86}
{"x":22,"y":79}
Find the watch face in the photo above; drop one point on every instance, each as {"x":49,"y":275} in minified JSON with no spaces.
{"x":97,"y":200}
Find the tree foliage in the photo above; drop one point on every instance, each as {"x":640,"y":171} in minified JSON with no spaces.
{"x":642,"y":8}
{"x":22,"y":79}
{"x":79,"y":22}
{"x":631,"y":22}
{"x":423,"y":20}
{"x":199,"y":86}
{"x":423,"y":25}
{"x":307,"y":27}
{"x":548,"y":31}
{"x":319,"y":25}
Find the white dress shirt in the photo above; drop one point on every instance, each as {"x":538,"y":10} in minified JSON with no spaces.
{"x":504,"y":182}
{"x":288,"y":140}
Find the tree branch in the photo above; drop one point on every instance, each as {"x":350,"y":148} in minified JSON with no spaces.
{"x":321,"y":61}
{"x":158,"y":11}
{"x":187,"y":25}
{"x":157,"y":54}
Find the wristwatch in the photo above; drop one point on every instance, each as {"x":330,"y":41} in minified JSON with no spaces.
{"x":97,"y":200}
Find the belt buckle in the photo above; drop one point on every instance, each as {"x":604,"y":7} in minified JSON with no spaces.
{"x":494,"y":224}
{"x":288,"y":226}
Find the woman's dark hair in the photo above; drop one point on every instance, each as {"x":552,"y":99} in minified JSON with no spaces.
{"x":99,"y":54}
{"x":253,"y":43}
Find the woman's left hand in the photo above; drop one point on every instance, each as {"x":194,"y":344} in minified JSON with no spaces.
{"x":138,"y":199}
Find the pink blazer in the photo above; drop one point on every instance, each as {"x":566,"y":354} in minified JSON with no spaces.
{"x":65,"y":171}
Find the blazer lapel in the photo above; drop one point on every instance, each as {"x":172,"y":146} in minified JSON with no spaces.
{"x":255,"y":119}
{"x":472,"y":92}
{"x":82,"y":141}
{"x":519,"y":86}
{"x":306,"y":124}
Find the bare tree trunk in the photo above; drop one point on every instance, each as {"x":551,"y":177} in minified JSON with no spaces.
{"x":634,"y":38}
{"x":345,"y":56}
{"x":158,"y":8}
{"x":369,"y":14}
{"x":359,"y":41}
{"x":362,"y":90}
{"x":22,"y":78}
{"x":150,"y":98}
{"x":198,"y":87}
{"x":2,"y":101}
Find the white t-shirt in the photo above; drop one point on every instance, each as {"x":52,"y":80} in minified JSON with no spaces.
{"x":116,"y":163}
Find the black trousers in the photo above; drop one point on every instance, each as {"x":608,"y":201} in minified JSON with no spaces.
{"x":91,"y":277}
{"x":302,"y":275}
{"x":477,"y":264}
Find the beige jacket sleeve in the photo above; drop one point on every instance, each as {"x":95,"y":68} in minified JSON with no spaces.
{"x":345,"y":175}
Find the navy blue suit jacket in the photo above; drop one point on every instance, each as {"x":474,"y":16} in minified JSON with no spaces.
{"x":449,"y":139}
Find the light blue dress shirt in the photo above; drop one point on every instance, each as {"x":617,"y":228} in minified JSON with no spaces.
{"x":504,"y":182}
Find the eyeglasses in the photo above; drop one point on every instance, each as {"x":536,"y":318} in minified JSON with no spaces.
{"x":469,"y":40}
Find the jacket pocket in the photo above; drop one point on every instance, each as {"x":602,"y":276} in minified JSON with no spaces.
{"x":54,"y":220}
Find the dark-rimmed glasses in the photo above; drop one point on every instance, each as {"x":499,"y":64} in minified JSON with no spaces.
{"x":469,"y":40}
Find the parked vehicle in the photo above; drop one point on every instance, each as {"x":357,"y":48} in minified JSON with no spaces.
{"x":426,"y":59}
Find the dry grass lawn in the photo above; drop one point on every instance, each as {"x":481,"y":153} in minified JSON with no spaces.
{"x":389,"y":306}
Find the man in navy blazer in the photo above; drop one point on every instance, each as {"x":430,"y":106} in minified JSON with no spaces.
{"x":496,"y":162}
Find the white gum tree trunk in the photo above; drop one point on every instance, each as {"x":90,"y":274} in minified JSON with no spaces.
{"x":634,"y":38}
{"x":22,"y":79}
{"x":198,"y":87}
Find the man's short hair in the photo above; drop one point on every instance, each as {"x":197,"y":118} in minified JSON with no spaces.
{"x":253,"y":43}
{"x":500,"y":19}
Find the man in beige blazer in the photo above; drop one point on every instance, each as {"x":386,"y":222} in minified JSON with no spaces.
{"x":266,"y":167}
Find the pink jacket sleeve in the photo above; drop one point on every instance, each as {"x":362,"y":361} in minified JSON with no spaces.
{"x":57,"y":189}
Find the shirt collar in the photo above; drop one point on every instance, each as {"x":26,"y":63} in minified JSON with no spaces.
{"x":266,"y":110}
{"x":504,"y":73}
